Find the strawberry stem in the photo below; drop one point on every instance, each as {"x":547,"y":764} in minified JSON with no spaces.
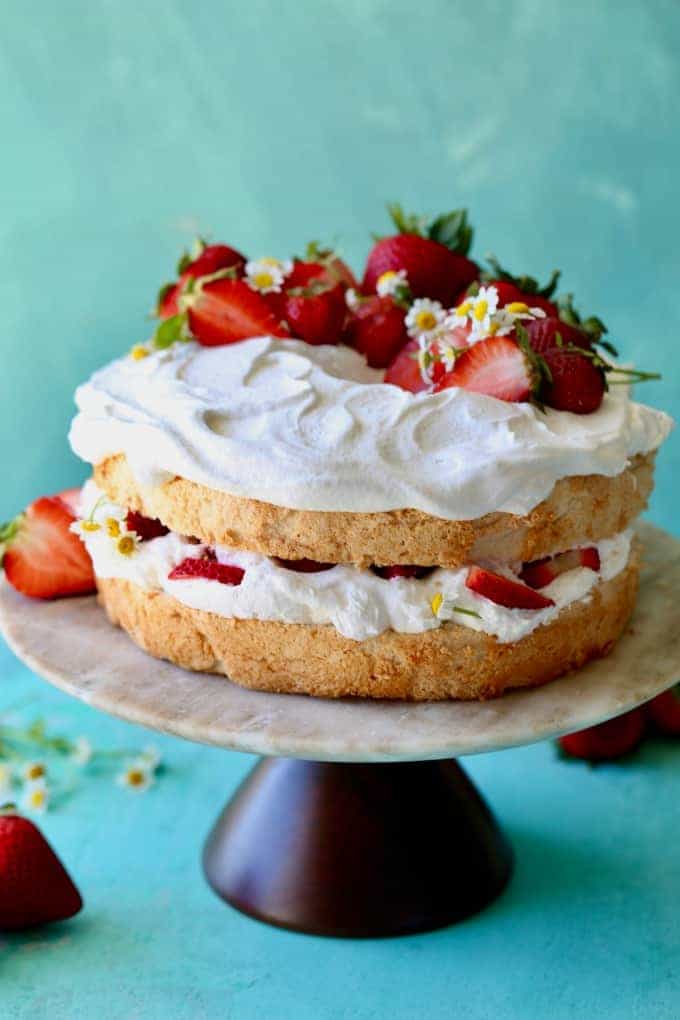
{"x":527,"y":284}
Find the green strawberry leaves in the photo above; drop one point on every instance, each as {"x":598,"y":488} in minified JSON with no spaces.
{"x":170,"y":331}
{"x":527,"y":284}
{"x":452,"y":229}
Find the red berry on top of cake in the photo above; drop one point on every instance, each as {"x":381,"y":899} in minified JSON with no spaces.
{"x":422,"y":485}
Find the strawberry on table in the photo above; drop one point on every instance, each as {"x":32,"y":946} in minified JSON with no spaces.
{"x":35,"y":888}
{"x":504,"y":591}
{"x":225,"y":310}
{"x":207,"y":567}
{"x":377,"y":329}
{"x":608,"y":740}
{"x":497,"y":366}
{"x":540,"y":573}
{"x":205,"y":260}
{"x":43,"y":558}
{"x":664,"y":711}
{"x":434,"y":255}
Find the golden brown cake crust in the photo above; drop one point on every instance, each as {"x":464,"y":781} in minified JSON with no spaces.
{"x":450,"y":662}
{"x":579,"y":510}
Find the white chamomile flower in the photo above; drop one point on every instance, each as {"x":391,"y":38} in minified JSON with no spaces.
{"x":425,"y":319}
{"x":126,"y":543}
{"x":82,"y":751}
{"x":151,"y":757}
{"x":481,"y":309}
{"x":6,"y":778}
{"x":352,"y":299}
{"x":36,"y":797}
{"x":392,"y":283}
{"x":85,"y":527}
{"x":33,"y":771}
{"x":266,"y":275}
{"x":136,"y":776}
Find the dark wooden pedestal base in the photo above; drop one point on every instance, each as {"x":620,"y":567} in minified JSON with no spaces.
{"x":357,"y":850}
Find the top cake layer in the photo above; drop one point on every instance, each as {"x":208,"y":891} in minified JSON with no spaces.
{"x":313,"y":428}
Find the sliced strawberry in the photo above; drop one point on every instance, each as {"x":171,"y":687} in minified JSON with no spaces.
{"x":35,"y":888}
{"x":402,"y":570}
{"x":377,"y":329}
{"x":43,"y":558}
{"x":496,"y":366}
{"x":503,"y":591}
{"x":664,"y":711}
{"x":608,"y":740}
{"x":404,"y":371}
{"x":207,"y":567}
{"x":576,"y":384}
{"x":146,"y":527}
{"x":223,"y":311}
{"x":72,"y":499}
{"x":303,"y":566}
{"x":432,"y":269}
{"x":540,"y":573}
{"x":211,"y":259}
{"x":316,"y":316}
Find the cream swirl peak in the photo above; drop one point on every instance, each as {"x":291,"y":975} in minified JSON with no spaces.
{"x":313,"y":428}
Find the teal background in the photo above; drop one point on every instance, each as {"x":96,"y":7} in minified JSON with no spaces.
{"x":125,"y":128}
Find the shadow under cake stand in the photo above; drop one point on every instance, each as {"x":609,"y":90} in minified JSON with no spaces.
{"x":358,"y":822}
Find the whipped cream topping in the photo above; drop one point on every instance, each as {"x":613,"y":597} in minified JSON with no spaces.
{"x":313,"y":428}
{"x":358,"y":603}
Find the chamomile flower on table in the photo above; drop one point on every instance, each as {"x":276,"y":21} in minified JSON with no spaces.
{"x":82,"y":751}
{"x":33,"y":771}
{"x":136,"y":776}
{"x":36,"y":797}
{"x":6,"y":780}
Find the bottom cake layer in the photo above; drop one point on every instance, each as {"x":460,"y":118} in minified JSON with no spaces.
{"x":451,"y":662}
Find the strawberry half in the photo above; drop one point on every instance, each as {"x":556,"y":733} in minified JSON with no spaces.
{"x":496,"y":366}
{"x":503,"y":591}
{"x":207,"y":567}
{"x":664,"y":711}
{"x":403,"y":370}
{"x":377,"y":329}
{"x":608,"y":740}
{"x":315,"y":315}
{"x":576,"y":384}
{"x":303,"y":566}
{"x":146,"y":527}
{"x":35,"y":888}
{"x":402,"y":570}
{"x":224,"y":311}
{"x":540,"y":573}
{"x":211,"y":259}
{"x":43,"y":557}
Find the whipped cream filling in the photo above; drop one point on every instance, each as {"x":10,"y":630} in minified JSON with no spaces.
{"x":313,"y":428}
{"x":358,"y":603}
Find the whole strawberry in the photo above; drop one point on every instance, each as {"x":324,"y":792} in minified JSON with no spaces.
{"x":377,"y":329}
{"x":204,"y":260}
{"x":34,"y":885}
{"x":433,"y":255}
{"x":575,"y":380}
{"x":607,"y":741}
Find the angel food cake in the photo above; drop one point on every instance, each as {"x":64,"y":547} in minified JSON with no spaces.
{"x":423,"y":486}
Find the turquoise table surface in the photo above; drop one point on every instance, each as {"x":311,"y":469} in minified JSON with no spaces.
{"x":128,"y":127}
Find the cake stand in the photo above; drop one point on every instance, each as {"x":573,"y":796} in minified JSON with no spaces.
{"x":358,"y":822}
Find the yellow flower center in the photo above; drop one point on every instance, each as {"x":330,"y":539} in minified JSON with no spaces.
{"x":480,"y":310}
{"x":463,"y":309}
{"x":385,"y":277}
{"x":139,"y":352}
{"x":36,"y":771}
{"x":436,"y":603}
{"x":112,"y":527}
{"x":263,"y":280}
{"x":426,"y":320}
{"x":37,"y":798}
{"x":517,"y":307}
{"x":136,"y":777}
{"x":493,"y":328}
{"x":90,"y":525}
{"x":126,"y":545}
